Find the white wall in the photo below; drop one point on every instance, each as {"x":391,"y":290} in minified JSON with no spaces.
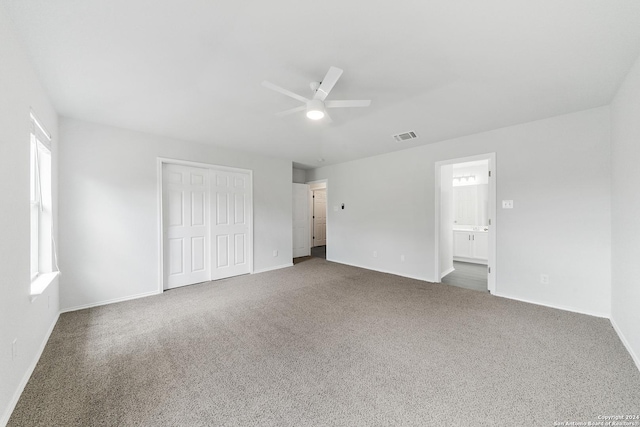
{"x":28,"y":322}
{"x":556,"y":170}
{"x":446,"y":220}
{"x":625,"y":309}
{"x":109,"y":209}
{"x":299,"y":176}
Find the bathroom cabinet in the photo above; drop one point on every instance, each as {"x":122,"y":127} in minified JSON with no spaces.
{"x":471,"y":246}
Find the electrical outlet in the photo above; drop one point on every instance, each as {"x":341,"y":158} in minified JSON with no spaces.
{"x":375,"y":254}
{"x":401,"y":258}
{"x":507,"y":204}
{"x":14,"y":349}
{"x":275,"y":252}
{"x":544,"y":279}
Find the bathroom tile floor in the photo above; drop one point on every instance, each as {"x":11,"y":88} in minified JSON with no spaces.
{"x":467,"y":275}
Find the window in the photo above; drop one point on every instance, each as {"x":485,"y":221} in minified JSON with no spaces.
{"x":42,"y":243}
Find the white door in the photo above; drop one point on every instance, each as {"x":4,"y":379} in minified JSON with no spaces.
{"x":301,"y":220}
{"x":230,"y":223}
{"x":319,"y":217}
{"x":185,"y":224}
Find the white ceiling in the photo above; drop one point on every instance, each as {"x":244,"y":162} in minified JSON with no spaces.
{"x":192,"y":69}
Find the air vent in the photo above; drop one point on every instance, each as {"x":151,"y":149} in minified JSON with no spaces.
{"x":405,"y":136}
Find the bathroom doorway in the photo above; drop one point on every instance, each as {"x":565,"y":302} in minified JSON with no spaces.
{"x":465,"y":222}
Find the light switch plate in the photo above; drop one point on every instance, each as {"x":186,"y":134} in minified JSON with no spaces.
{"x":507,"y":204}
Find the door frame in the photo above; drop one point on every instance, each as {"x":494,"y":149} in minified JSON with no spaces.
{"x":160,"y":161}
{"x":492,"y":204}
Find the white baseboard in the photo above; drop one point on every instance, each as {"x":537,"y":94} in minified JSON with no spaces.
{"x":395,"y":273}
{"x":277,"y":267}
{"x":634,"y":356}
{"x":111,"y":301}
{"x":559,"y":307}
{"x":25,"y":379}
{"x":451,"y":270}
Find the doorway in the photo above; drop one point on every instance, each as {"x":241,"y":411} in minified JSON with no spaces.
{"x":318,"y":220}
{"x":465,"y":222}
{"x":206,"y":222}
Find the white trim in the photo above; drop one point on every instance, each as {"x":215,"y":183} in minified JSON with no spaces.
{"x":159,"y":162}
{"x":162,"y":160}
{"x":493,"y":228}
{"x":42,"y":282}
{"x":40,"y":126}
{"x":556,"y":306}
{"x":317,"y":184}
{"x":277,"y":267}
{"x":634,"y":356}
{"x":25,"y":378}
{"x":382,"y":271}
{"x":450,"y":270}
{"x":110,"y":301}
{"x":202,"y":165}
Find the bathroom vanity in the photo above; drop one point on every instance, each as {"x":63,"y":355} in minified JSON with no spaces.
{"x":471,"y":244}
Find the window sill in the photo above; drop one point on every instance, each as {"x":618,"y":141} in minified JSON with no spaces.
{"x":41,"y":283}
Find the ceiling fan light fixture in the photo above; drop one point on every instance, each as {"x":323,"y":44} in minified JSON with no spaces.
{"x":315,"y":109}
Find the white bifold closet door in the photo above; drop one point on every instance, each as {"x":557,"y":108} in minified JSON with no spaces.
{"x":231,"y":211}
{"x":206,"y":224}
{"x":186,"y":225}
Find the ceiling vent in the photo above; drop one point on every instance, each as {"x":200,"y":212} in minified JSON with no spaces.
{"x":405,"y":136}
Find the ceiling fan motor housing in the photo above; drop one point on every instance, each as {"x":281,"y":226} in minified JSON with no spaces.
{"x":315,"y":109}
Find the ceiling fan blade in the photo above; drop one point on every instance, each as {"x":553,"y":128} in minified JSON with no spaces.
{"x":284,"y":91}
{"x":291,"y":111}
{"x":327,"y":118}
{"x":328,"y":83}
{"x":352,"y":103}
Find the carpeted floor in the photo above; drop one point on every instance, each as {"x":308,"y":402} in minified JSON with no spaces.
{"x":322,"y":344}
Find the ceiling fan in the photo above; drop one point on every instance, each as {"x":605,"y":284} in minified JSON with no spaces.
{"x":316,"y":106}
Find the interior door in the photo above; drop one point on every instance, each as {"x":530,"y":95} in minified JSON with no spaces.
{"x":230,"y":223}
{"x":186,"y":225}
{"x":319,"y":217}
{"x":301,"y":245}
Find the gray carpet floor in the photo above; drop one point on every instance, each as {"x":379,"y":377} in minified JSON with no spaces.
{"x":322,"y":344}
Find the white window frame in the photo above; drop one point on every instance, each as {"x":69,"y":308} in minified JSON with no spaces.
{"x":42,"y":243}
